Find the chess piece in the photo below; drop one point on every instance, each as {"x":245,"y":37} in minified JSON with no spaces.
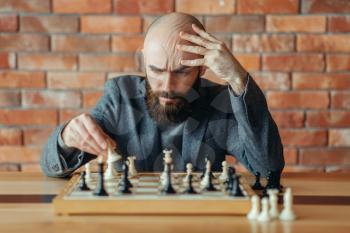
{"x":83,"y":186}
{"x":168,"y":187}
{"x":88,"y":172}
{"x":167,"y":157}
{"x":257,"y":185}
{"x":189,"y":189}
{"x":229,"y":183}
{"x":264,"y":216}
{"x":236,"y":190}
{"x":255,"y":208}
{"x":100,"y":188}
{"x":132,"y":169}
{"x":287,"y":213}
{"x":125,"y":184}
{"x":224,"y":174}
{"x":273,"y":203}
{"x":207,"y":181}
{"x":189,"y":169}
{"x":273,"y":181}
{"x":112,"y":157}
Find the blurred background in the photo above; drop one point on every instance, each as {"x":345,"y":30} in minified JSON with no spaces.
{"x":55,"y":56}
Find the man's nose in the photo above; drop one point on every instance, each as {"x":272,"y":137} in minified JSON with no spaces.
{"x":169,"y":82}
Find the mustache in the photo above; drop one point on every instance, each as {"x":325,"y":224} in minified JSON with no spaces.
{"x":169,"y":95}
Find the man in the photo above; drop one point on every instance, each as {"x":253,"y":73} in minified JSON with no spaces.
{"x":174,"y":108}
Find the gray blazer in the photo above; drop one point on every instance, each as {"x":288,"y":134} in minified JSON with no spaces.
{"x":222,"y":124}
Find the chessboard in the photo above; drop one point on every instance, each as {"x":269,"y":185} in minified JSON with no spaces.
{"x":146,"y":197}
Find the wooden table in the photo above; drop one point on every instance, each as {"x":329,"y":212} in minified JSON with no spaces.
{"x":322,"y":205}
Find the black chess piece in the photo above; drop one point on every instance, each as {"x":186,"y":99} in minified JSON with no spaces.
{"x":236,"y":190}
{"x":273,"y":182}
{"x":100,"y":189}
{"x":257,"y":185}
{"x":168,"y":187}
{"x":125,"y":184}
{"x":229,"y":182}
{"x":83,"y":186}
{"x":189,"y":189}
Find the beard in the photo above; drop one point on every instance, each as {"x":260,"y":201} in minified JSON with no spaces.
{"x":176,"y":112}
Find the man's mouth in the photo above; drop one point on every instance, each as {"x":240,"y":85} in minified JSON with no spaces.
{"x":164,"y":100}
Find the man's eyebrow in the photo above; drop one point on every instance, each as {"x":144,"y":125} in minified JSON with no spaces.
{"x":182,"y":68}
{"x":155,"y":68}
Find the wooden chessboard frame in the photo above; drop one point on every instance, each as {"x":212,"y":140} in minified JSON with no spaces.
{"x":161,"y":206}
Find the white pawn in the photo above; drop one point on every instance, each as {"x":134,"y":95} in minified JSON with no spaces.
{"x":189,"y":168}
{"x":132,"y":169}
{"x":264,"y":216}
{"x":255,"y":209}
{"x":273,"y":203}
{"x":224,"y":175}
{"x":287,"y":213}
{"x":205,"y":180}
{"x":112,"y":157}
{"x":88,"y":172}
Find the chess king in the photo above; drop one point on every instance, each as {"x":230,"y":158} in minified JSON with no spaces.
{"x":174,"y":107}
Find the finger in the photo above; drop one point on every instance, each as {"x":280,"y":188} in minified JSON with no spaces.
{"x":96,"y":132}
{"x":75,"y":137}
{"x":192,"y":49}
{"x":85,"y":138}
{"x":194,"y":62}
{"x":204,"y":34}
{"x":197,"y":40}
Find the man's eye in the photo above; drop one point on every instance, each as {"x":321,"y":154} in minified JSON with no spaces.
{"x":182,"y":72}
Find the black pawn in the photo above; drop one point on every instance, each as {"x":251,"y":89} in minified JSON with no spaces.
{"x":168,"y":189}
{"x":100,"y":189}
{"x":229,"y":181}
{"x":190,"y":189}
{"x":236,"y":190}
{"x":125,"y":184}
{"x":83,"y":186}
{"x":273,"y":181}
{"x":210,"y":186}
{"x":257,"y":185}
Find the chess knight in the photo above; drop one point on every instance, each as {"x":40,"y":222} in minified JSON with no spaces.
{"x":174,"y":107}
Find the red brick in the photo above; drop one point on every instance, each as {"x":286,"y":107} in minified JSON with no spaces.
{"x":10,"y":167}
{"x":302,"y":137}
{"x":59,"y":99}
{"x":338,"y":62}
{"x":74,"y":80}
{"x":231,"y":24}
{"x":288,"y":119}
{"x":90,"y":98}
{"x":339,"y":137}
{"x":10,"y":136}
{"x":325,"y":156}
{"x":298,"y":100}
{"x":339,"y":23}
{"x":251,"y":62}
{"x":8,"y":23}
{"x":267,"y":6}
{"x":28,"y":117}
{"x":328,"y":119}
{"x":90,"y":62}
{"x":82,"y":6}
{"x":13,"y":154}
{"x":205,"y":7}
{"x":31,"y":167}
{"x":340,"y":99}
{"x":7,"y":60}
{"x":321,"y":81}
{"x":143,"y":6}
{"x":47,"y":61}
{"x":24,"y":42}
{"x":49,"y":23}
{"x":22,"y":79}
{"x":36,"y":136}
{"x":79,"y":43}
{"x":290,"y":155}
{"x":329,"y":6}
{"x":263,"y":43}
{"x":323,"y":43}
{"x":293,"y":62}
{"x":303,"y":169}
{"x":38,"y":6}
{"x":272,"y":81}
{"x":110,"y":24}
{"x":67,"y":114}
{"x":127,"y":43}
{"x":295,"y":23}
{"x":9,"y":98}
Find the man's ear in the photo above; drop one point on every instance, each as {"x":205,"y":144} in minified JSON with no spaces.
{"x":202,"y":70}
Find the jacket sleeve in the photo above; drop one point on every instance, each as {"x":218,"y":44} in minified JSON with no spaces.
{"x":259,"y":144}
{"x":56,"y":162}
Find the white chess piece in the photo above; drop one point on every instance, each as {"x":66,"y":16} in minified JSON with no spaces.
{"x":112,"y":157}
{"x":88,"y":172}
{"x":167,"y":158}
{"x":264,"y":215}
{"x":273,"y":203}
{"x":287,"y":213}
{"x":132,"y":169}
{"x":255,"y":209}
{"x":205,"y":180}
{"x":189,"y":169}
{"x":224,"y":175}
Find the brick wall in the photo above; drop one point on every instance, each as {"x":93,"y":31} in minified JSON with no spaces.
{"x":55,"y":56}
